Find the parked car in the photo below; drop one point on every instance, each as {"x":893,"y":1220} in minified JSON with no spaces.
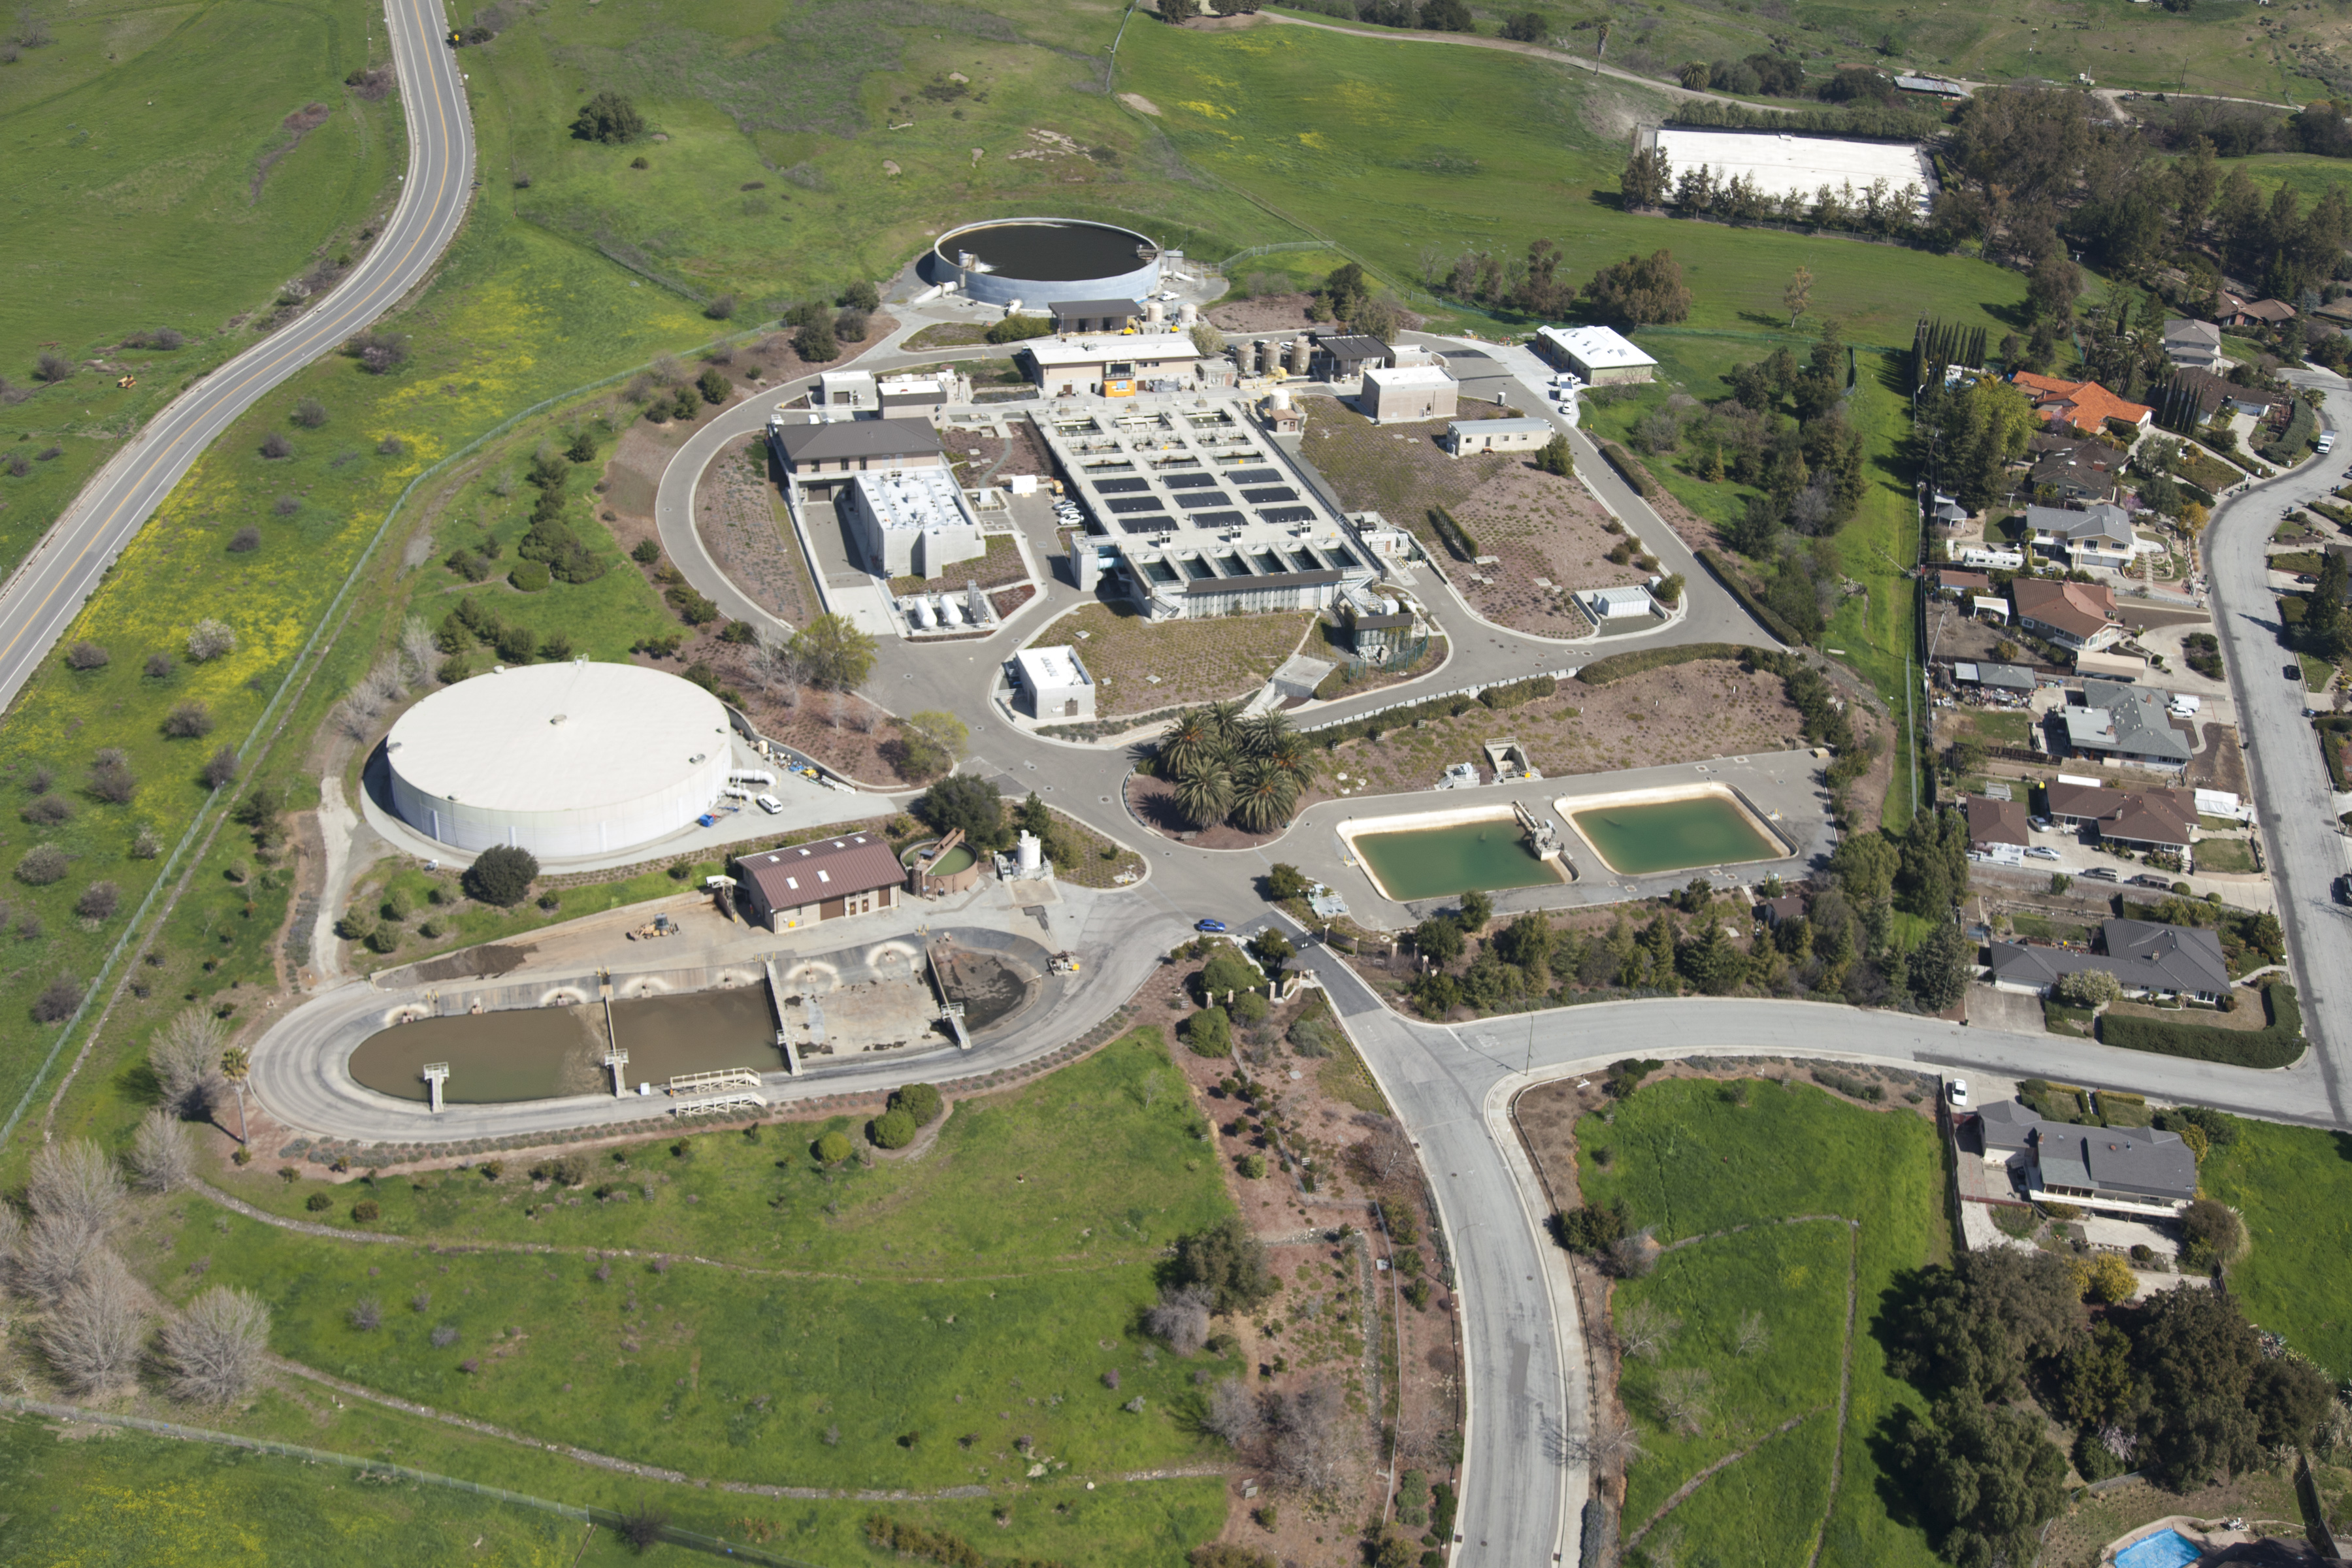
{"x":1211,"y":926}
{"x":1959,"y":1091}
{"x":2101,"y":874}
{"x":2039,"y":823}
{"x":2146,"y":881}
{"x":2305,"y":577}
{"x":2043,"y":852}
{"x":2294,"y":672}
{"x":2343,"y":886}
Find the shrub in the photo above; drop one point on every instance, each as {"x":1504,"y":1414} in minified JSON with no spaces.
{"x":1019,"y":329}
{"x":87,"y":655}
{"x":191,"y":721}
{"x":501,"y":874}
{"x":1619,"y":665}
{"x":319,"y":1202}
{"x":719,"y":310}
{"x":310,"y":414}
{"x":646,"y":552}
{"x":52,"y":368}
{"x":834,"y":1148}
{"x":530,"y":576}
{"x":210,"y":640}
{"x":99,"y":902}
{"x":919,"y":1101}
{"x":610,"y":119}
{"x":42,"y":865}
{"x":1210,"y":1033}
{"x":275,"y":446}
{"x":366,"y":1211}
{"x":1252,"y":1167}
{"x":246,"y":539}
{"x":221,"y":768}
{"x":892,"y":1130}
{"x":47,"y":811}
{"x":58,"y":1000}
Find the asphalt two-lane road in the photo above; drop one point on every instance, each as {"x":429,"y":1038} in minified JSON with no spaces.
{"x":40,"y":601}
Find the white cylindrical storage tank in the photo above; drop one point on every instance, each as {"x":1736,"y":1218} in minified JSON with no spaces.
{"x":1279,"y":397}
{"x":1155,"y":312}
{"x":1187,"y":313}
{"x":566,"y":761}
{"x":947,"y":612}
{"x":1032,"y":854}
{"x":920,"y":614}
{"x":1301,"y":351}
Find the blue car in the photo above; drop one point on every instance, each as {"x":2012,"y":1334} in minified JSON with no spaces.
{"x":1209,"y":925}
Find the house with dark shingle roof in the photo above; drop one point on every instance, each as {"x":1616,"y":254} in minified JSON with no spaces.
{"x":1992,"y":822}
{"x":2126,"y":1170}
{"x":2146,"y":958}
{"x":2128,"y":724}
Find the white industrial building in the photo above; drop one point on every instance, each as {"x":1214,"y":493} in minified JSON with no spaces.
{"x":1056,"y":681}
{"x":850,"y":389}
{"x":563,"y":760}
{"x":912,"y":523}
{"x":1404,"y":393}
{"x":1193,"y":512}
{"x":1468,"y":437}
{"x":1599,"y":355}
{"x":1112,"y":365}
{"x":1615,"y":603}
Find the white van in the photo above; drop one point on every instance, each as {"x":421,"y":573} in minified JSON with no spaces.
{"x":771,"y":805}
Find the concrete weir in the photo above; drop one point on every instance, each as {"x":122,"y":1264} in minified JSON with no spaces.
{"x":783,"y":1030}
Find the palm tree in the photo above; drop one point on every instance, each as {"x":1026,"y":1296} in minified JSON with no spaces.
{"x":1260,"y":735}
{"x":1226,"y":717}
{"x":1264,"y":798}
{"x":1205,"y":793}
{"x":1293,"y":755}
{"x":1192,"y":737}
{"x":236,"y":1067}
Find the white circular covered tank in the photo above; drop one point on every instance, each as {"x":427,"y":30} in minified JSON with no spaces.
{"x":563,"y":760}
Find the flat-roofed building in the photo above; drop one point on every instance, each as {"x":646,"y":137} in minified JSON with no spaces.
{"x":820,"y":457}
{"x":1116,"y":365}
{"x":1344,"y":356}
{"x":900,"y":395}
{"x":854,"y":874}
{"x":1468,"y":437}
{"x":1055,"y":682}
{"x":911,"y":524}
{"x":851,"y":389}
{"x":1598,"y":355}
{"x":1094,"y":315}
{"x":1406,"y":394}
{"x":1192,"y":511}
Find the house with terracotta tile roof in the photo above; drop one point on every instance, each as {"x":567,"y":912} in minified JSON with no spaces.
{"x":2085,"y":405}
{"x":2077,"y":615}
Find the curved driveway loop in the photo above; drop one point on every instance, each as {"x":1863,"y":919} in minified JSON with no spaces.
{"x":41,"y":600}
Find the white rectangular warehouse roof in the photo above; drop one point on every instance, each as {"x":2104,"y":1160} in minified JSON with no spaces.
{"x":1601,"y":348}
{"x":1100,"y":348}
{"x":1777,"y":164}
{"x":914,"y":499}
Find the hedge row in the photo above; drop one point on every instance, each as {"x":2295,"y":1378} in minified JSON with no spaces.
{"x":1457,"y":538}
{"x":1766,"y":617}
{"x":2275,"y":1046}
{"x":2333,"y":730}
{"x":1618,"y":666}
{"x":1634,"y":474}
{"x":1518,"y":691}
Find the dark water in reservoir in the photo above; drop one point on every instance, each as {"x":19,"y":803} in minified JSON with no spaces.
{"x":545,"y":1052}
{"x":1051,"y":253}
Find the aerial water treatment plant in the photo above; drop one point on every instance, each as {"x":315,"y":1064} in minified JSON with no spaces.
{"x":1035,"y":261}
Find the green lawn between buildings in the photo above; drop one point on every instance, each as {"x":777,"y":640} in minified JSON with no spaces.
{"x":1690,"y":1161}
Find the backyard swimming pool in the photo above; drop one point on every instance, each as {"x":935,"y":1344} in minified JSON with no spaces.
{"x":2165,"y":1549}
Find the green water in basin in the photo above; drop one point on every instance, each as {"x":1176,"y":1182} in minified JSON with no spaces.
{"x":1673,"y":835}
{"x":1434,"y":862}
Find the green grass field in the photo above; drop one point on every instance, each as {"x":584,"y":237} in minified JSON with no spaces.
{"x":1689,"y":1162}
{"x":1795,"y":1276}
{"x":758,"y":1317}
{"x":2293,"y":1185}
{"x":1765,"y":1509}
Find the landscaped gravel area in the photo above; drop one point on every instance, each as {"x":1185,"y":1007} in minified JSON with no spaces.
{"x":1142,"y":667}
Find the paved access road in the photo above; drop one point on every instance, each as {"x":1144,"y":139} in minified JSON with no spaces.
{"x":42,"y":599}
{"x":2293,"y":794}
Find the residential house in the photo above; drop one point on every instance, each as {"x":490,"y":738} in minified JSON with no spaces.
{"x":1955,"y":582}
{"x":2075,"y":475}
{"x":1992,"y":822}
{"x":2160,"y":819}
{"x":2127,"y":723}
{"x":2126,"y":1170}
{"x":2076,"y":615}
{"x":2238,"y":312}
{"x":2146,"y":958}
{"x":821,"y":458}
{"x":2013,"y":680}
{"x":1776,"y":912}
{"x":785,"y":888}
{"x":2085,"y":404}
{"x":2099,"y":535}
{"x":2194,"y":345}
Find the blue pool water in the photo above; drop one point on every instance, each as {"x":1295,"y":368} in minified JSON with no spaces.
{"x":2169,"y":1550}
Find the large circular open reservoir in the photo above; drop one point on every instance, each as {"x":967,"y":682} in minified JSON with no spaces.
{"x":1039,"y":261}
{"x":563,"y":760}
{"x":1654,"y":831}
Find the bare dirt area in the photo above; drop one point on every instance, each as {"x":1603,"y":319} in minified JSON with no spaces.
{"x":741,"y":522}
{"x":1552,"y":537}
{"x":983,"y":457}
{"x":1397,"y":470}
{"x":1265,"y":313}
{"x":2219,"y":764}
{"x":1684,"y":712}
{"x":1143,"y":668}
{"x":1341,"y":1195}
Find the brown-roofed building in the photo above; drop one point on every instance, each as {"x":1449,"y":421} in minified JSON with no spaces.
{"x":1994,"y":821}
{"x":2085,"y":404}
{"x":2256,"y":313}
{"x":1957,"y":581}
{"x":1776,"y":913}
{"x":822,"y":457}
{"x":854,"y":874}
{"x":2078,"y":615}
{"x":2150,"y":819}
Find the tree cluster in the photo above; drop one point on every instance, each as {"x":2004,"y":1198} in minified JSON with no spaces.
{"x":550,"y":540}
{"x":1223,"y":767}
{"x":610,"y":119}
{"x":1639,"y":291}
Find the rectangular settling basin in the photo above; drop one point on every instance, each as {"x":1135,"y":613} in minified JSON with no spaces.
{"x":1444,"y":853}
{"x":1646,"y":832}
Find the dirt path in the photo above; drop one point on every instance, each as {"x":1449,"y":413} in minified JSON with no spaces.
{"x":1845,"y":1391}
{"x":1682,"y":1492}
